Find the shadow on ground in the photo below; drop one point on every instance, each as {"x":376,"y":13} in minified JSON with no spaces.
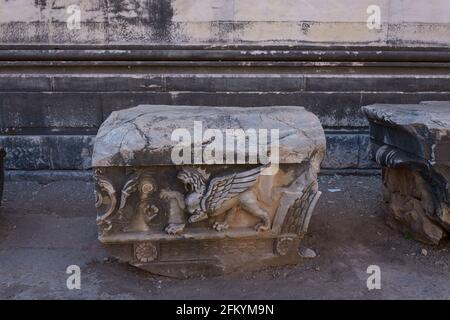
{"x":46,"y":227}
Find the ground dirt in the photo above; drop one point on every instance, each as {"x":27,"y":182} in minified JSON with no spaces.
{"x":45,"y":227}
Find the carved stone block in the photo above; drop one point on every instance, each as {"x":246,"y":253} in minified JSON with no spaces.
{"x":227,"y":205}
{"x":412,"y":144}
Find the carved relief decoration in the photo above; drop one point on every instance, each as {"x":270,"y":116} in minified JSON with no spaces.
{"x":105,"y":195}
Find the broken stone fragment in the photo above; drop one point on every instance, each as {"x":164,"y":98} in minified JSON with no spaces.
{"x":412,"y":144}
{"x":247,"y":209}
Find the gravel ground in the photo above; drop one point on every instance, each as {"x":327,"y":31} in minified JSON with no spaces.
{"x":47,"y":226}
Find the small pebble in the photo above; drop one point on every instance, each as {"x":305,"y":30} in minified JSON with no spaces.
{"x":424,"y":252}
{"x":307,"y":253}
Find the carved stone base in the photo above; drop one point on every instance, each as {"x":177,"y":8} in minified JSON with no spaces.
{"x":146,"y":225}
{"x":411,"y":206}
{"x":204,"y":219}
{"x":412,"y":144}
{"x":193,"y":258}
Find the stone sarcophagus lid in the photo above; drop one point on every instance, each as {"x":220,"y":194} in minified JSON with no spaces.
{"x":184,"y":191}
{"x":412,"y":144}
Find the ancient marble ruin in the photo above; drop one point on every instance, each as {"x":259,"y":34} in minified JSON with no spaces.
{"x":177,"y":198}
{"x":412,"y":144}
{"x":2,"y":173}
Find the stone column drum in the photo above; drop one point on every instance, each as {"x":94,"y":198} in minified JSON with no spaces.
{"x":412,"y":144}
{"x":203,"y":217}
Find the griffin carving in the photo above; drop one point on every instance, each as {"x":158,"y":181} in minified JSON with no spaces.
{"x":222,"y":194}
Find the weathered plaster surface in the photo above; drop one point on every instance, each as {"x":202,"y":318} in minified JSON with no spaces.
{"x":236,"y":21}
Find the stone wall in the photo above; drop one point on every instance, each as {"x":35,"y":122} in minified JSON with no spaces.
{"x":57,"y":85}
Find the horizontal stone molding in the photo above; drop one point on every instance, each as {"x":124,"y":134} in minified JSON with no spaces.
{"x":223,"y":82}
{"x":48,"y":152}
{"x":73,"y":152}
{"x":68,"y":112}
{"x":223,"y":53}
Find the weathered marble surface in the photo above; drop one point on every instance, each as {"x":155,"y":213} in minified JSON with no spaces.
{"x":412,"y":144}
{"x":142,"y":135}
{"x":188,"y":220}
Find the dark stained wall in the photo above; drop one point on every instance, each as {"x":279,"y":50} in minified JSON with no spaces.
{"x":58,"y":85}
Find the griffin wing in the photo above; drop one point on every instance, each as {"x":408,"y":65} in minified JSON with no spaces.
{"x":221,"y":189}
